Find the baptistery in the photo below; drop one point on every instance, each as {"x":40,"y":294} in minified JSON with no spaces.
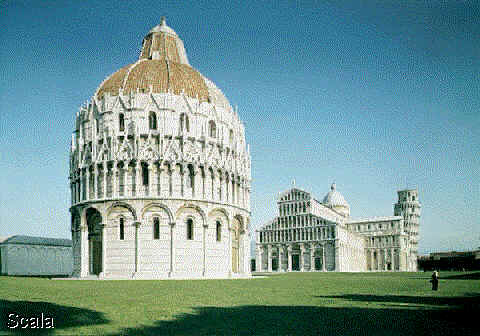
{"x":159,"y":173}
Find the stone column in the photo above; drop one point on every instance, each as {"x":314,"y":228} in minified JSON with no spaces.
{"x":165,"y":181}
{"x":220,"y":185}
{"x":280,"y":253}
{"x":392,"y":255}
{"x":378,"y":259}
{"x":289,"y":256}
{"x":138,"y":179}
{"x":84,"y":271}
{"x":160,"y":177}
{"x":115,"y":181}
{"x":324,"y":259}
{"x":129,"y":190}
{"x":104,"y":250}
{"x":183,"y":180}
{"x":205,"y":225}
{"x":83,"y":195}
{"x":230,"y":264}
{"x":227,"y":183}
{"x":258,"y":264}
{"x":312,"y":257}
{"x":269,"y":260}
{"x":95,"y":181}
{"x":337,"y":255}
{"x":172,"y":256}
{"x":385,"y":259}
{"x":302,"y":251}
{"x":137,"y":248}
{"x":105,"y":173}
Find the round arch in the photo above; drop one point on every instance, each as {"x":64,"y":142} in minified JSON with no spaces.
{"x":122,"y":205}
{"x":194,"y":207}
{"x":159,"y":205}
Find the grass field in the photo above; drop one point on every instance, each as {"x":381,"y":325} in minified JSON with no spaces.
{"x":286,"y":304}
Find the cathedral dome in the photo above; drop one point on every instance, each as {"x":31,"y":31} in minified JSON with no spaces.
{"x":335,"y":200}
{"x":162,"y":67}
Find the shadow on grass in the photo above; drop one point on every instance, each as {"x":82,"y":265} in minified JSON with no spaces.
{"x":63,"y":316}
{"x":311,"y":320}
{"x":463,"y":302}
{"x":467,"y":276}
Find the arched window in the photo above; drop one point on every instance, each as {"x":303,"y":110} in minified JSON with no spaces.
{"x":231,"y":136}
{"x":191,"y":177}
{"x":190,"y":229}
{"x":97,"y":125}
{"x":145,"y":175}
{"x":122,"y":228}
{"x":212,"y":129}
{"x":121,"y":122}
{"x":219,"y":231}
{"x":156,"y":228}
{"x":152,"y":120}
{"x":184,"y":123}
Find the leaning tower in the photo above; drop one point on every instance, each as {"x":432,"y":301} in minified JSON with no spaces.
{"x":408,"y":206}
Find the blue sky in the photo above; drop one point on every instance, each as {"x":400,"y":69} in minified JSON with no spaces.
{"x":374,"y":95}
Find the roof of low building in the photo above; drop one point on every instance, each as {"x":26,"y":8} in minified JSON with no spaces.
{"x":374,"y":219}
{"x":29,"y":240}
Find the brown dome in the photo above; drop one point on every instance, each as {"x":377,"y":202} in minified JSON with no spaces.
{"x":162,"y":67}
{"x":160,"y":75}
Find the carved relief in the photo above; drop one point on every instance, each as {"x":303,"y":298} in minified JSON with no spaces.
{"x":125,"y":153}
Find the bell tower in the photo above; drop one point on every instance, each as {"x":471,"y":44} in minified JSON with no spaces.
{"x":408,"y":206}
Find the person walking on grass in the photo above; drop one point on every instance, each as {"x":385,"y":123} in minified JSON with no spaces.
{"x":434,"y":280}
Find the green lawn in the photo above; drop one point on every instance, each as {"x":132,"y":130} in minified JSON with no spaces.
{"x":286,"y":304}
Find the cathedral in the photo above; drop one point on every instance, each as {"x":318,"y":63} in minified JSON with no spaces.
{"x":308,"y":235}
{"x":159,"y":173}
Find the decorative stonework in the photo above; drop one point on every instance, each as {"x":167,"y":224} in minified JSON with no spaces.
{"x":159,"y":146}
{"x":322,"y":236}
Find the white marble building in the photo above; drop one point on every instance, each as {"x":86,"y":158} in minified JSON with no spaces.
{"x":160,"y":173}
{"x":309,"y":235}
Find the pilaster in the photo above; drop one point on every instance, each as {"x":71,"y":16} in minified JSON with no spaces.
{"x":302,"y":254}
{"x":172,"y":251}
{"x":289,"y":254}
{"x":312,"y":257}
{"x":269,"y":260}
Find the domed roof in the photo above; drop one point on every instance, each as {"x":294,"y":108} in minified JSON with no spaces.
{"x":334,"y":198}
{"x":162,"y":67}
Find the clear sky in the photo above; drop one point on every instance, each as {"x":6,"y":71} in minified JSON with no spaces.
{"x":374,"y":95}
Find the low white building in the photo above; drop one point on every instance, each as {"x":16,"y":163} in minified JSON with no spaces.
{"x":35,"y":256}
{"x":309,"y":235}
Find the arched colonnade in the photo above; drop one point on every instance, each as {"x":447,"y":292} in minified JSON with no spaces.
{"x":152,"y":240}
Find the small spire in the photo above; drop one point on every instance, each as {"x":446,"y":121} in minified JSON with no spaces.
{"x":163,"y":21}
{"x":334,"y":186}
{"x":293,"y":182}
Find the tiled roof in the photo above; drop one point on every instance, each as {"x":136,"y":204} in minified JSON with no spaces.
{"x":28,"y":240}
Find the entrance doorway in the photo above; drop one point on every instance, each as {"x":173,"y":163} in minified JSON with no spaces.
{"x":274,"y":264}
{"x":94,"y":221}
{"x":295,"y":262}
{"x":318,"y":263}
